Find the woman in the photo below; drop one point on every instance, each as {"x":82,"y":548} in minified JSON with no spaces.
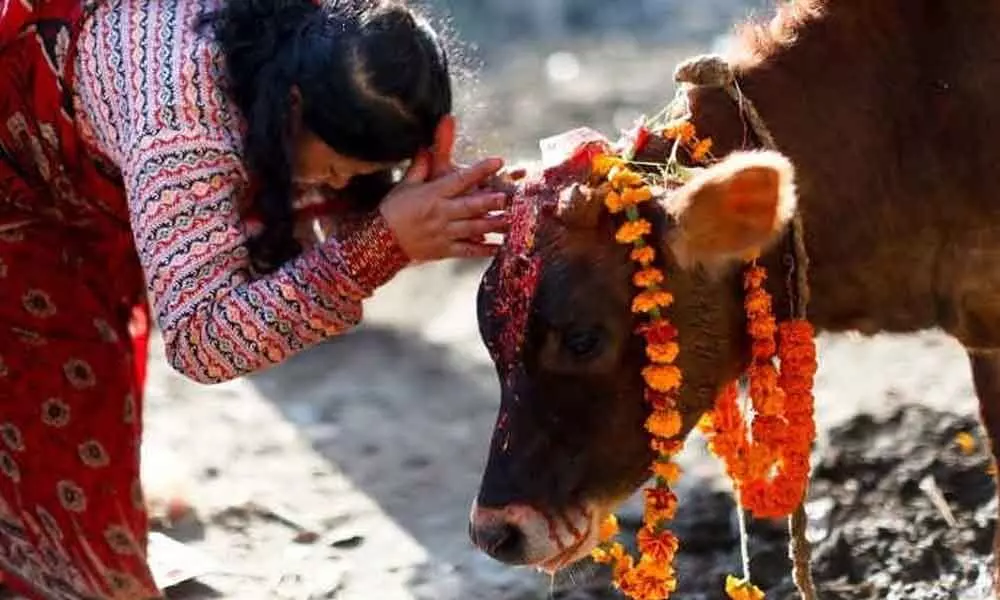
{"x":174,"y":148}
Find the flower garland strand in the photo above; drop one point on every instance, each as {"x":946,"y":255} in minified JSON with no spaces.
{"x":653,"y":577}
{"x":769,"y":469}
{"x":770,"y":472}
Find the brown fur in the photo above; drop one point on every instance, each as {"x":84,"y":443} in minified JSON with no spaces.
{"x":762,"y":40}
{"x":888,"y":112}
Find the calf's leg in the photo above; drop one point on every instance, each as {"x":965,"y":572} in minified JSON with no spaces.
{"x":986,"y":376}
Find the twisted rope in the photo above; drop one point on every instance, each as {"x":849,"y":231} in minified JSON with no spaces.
{"x":714,"y":71}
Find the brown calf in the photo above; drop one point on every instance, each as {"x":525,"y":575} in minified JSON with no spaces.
{"x":888,"y":112}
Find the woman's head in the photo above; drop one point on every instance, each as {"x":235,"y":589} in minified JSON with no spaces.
{"x":331,"y":90}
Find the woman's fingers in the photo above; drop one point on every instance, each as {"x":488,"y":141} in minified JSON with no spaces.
{"x":515,"y":174}
{"x":475,"y":229}
{"x":448,"y":216}
{"x":464,"y":179}
{"x":504,"y":181}
{"x":474,"y":206}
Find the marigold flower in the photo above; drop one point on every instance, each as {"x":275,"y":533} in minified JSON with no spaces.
{"x":757,"y":302}
{"x":636,"y":196}
{"x":667,"y":470}
{"x":616,"y":551}
{"x":609,"y":529}
{"x":662,"y":353}
{"x":661,"y":505}
{"x":755,"y":497}
{"x":622,"y":178}
{"x":754,"y":277}
{"x":623,"y":565}
{"x":801,"y":436}
{"x":680,"y":130}
{"x":651,"y":567}
{"x":664,"y":423}
{"x":770,"y":404}
{"x":737,"y":589}
{"x":657,"y":332}
{"x":763,"y":349}
{"x":613,"y":202}
{"x":705,"y":424}
{"x":701,"y":150}
{"x":633,"y":231}
{"x":602,"y":164}
{"x":802,"y":359}
{"x":666,"y":448}
{"x":647,"y":277}
{"x":601,"y":556}
{"x":649,"y":580}
{"x":662,"y":378}
{"x":758,"y":461}
{"x":770,"y":428}
{"x":644,"y":255}
{"x":660,"y":546}
{"x":727,"y":415}
{"x":649,"y":300}
{"x":966,"y":443}
{"x":771,"y":472}
{"x":768,"y":397}
{"x":762,"y":328}
{"x":798,"y":330}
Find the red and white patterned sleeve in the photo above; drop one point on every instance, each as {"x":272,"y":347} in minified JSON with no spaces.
{"x":148,"y":85}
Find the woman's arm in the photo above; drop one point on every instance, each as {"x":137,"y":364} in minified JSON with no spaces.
{"x":177,"y":144}
{"x":219,"y":323}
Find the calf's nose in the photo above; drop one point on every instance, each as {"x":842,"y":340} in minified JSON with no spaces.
{"x":496,"y":533}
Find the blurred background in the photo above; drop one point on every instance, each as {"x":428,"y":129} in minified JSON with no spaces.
{"x":349,"y":471}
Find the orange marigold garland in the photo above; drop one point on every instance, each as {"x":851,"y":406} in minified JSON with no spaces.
{"x":770,"y":467}
{"x":652,"y":576}
{"x":768,"y":459}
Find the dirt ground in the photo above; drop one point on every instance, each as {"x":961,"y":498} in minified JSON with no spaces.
{"x":368,"y":450}
{"x":375,"y":443}
{"x":348,"y":472}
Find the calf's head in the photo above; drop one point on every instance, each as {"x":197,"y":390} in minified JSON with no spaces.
{"x":554,"y":311}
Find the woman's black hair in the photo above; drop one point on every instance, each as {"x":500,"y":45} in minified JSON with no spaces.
{"x":374,"y":84}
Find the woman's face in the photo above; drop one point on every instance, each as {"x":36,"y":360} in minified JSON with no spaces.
{"x":317,"y":164}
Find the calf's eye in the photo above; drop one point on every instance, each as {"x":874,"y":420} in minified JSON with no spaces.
{"x":583,"y":344}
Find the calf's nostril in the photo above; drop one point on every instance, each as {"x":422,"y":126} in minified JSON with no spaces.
{"x":501,"y":540}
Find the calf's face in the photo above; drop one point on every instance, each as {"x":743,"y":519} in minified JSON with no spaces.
{"x":554,"y":311}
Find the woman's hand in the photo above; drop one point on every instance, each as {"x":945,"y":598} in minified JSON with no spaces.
{"x":447,"y":216}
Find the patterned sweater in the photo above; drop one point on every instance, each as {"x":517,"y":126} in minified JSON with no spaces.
{"x":149,"y":97}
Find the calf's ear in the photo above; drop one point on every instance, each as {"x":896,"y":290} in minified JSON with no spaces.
{"x":732,"y":209}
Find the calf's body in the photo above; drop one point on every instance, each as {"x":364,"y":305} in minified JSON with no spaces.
{"x":888,"y":112}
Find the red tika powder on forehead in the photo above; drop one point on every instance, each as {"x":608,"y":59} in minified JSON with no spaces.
{"x":520,"y":268}
{"x":566,"y":159}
